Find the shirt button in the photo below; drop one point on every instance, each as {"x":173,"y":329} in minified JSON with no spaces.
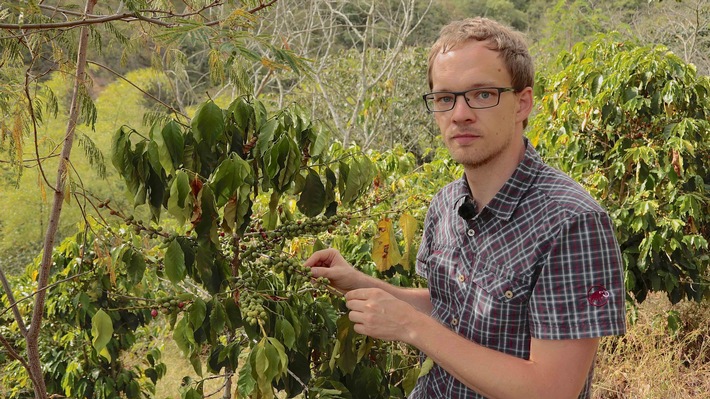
{"x":471,"y":232}
{"x":462,"y":278}
{"x":508,"y":294}
{"x":454,"y":321}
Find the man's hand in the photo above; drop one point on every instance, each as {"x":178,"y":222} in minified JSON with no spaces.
{"x":329,"y":263}
{"x":379,"y":314}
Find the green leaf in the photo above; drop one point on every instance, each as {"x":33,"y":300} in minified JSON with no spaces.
{"x":196,"y":313}
{"x":218,"y":318}
{"x":206,"y":227}
{"x":261,"y":366}
{"x":283,"y":163}
{"x":121,"y":151}
{"x":318,"y":245}
{"x":273,"y":370}
{"x":152,"y":154}
{"x":182,"y":340}
{"x":410,"y":380}
{"x":196,"y":363}
{"x":246,"y":382}
{"x":135,"y":265}
{"x":208,"y":123}
{"x":231,"y":179}
{"x":346,"y":355}
{"x":178,"y":204}
{"x":175,"y":268}
{"x":192,"y":393}
{"x":266,"y":137}
{"x":426,"y":367}
{"x":101,"y":331}
{"x":360,"y":176}
{"x":312,"y":200}
{"x":286,"y":332}
{"x":321,"y":143}
{"x":281,"y":352}
{"x":156,"y":194}
{"x":171,"y":146}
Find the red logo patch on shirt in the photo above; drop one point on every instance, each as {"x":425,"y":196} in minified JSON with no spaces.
{"x":597,"y":295}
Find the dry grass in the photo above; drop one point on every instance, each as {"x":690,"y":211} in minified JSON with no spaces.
{"x":178,"y":367}
{"x":651,"y":363}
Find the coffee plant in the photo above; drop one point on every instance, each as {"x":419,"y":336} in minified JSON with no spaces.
{"x":251,"y":194}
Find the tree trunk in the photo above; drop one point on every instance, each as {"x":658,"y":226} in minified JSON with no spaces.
{"x":60,"y":190}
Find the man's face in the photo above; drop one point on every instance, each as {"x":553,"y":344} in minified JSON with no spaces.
{"x":477,"y":137}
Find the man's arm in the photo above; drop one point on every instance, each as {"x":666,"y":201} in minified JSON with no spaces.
{"x":556,"y":368}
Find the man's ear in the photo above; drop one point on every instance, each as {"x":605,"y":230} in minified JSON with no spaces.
{"x":525,"y":104}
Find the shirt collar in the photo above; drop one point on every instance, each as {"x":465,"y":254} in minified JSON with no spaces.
{"x":508,"y":197}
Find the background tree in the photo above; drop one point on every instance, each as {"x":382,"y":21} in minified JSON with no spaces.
{"x":683,"y":26}
{"x":359,"y":48}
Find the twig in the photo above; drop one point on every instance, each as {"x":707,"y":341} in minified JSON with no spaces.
{"x":13,"y":353}
{"x":13,"y":306}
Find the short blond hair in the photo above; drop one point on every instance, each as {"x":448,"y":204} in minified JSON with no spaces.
{"x":510,"y":43}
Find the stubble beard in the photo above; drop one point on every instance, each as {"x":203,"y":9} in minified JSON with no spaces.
{"x":477,"y":158}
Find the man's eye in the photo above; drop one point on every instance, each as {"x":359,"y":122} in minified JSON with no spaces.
{"x":444,"y":99}
{"x":484,"y":95}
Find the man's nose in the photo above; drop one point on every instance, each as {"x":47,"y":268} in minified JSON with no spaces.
{"x":461,"y":110}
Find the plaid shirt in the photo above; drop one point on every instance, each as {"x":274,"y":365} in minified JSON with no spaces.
{"x":540,"y":260}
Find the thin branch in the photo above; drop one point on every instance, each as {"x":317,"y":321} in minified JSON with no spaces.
{"x":90,"y":19}
{"x":261,"y":6}
{"x":13,"y":353}
{"x":13,"y":303}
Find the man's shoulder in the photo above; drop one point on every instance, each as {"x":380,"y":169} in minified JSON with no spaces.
{"x":451,"y":192}
{"x":563,"y":192}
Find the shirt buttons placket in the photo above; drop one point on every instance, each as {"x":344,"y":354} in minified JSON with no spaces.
{"x":508,"y":294}
{"x":471,"y":232}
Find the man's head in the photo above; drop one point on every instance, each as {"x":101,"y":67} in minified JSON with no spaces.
{"x":481,"y":77}
{"x":510,"y":45}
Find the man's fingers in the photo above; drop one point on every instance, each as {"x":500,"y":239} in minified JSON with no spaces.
{"x":363,"y":293}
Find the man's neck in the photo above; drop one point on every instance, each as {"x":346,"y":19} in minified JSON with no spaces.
{"x":486,"y":180}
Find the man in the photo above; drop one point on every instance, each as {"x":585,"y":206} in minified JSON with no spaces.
{"x":524,"y":272}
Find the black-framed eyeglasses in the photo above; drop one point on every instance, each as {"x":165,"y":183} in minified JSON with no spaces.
{"x":478,"y":98}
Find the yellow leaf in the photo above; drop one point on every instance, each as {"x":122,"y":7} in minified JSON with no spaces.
{"x":409,"y":227}
{"x":385,"y":251}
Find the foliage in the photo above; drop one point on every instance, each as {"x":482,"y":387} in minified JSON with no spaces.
{"x":84,"y":288}
{"x":632,"y":124}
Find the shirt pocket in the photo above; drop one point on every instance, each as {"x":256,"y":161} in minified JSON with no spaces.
{"x":498,"y":304}
{"x":502,"y":288}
